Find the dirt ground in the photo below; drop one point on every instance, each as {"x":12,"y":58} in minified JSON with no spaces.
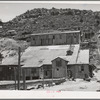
{"x":77,"y":85}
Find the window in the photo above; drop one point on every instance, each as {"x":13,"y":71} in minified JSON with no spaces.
{"x":74,"y":35}
{"x":0,"y":69}
{"x":58,"y":63}
{"x":53,"y":37}
{"x":82,"y":68}
{"x":57,"y":69}
{"x":27,"y":77}
{"x":46,"y":73}
{"x":41,"y":41}
{"x":33,"y":39}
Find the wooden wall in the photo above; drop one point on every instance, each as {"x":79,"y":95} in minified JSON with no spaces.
{"x":54,"y":71}
{"x":6,"y":73}
{"x":31,"y":73}
{"x":55,"y":39}
{"x":45,"y":71}
{"x":77,"y":72}
{"x":59,"y":71}
{"x":38,"y":73}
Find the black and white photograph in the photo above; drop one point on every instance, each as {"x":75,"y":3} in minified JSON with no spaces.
{"x":50,"y":46}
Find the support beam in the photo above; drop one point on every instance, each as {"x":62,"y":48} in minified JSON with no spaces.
{"x":15,"y":76}
{"x":65,"y":72}
{"x":24,"y":79}
{"x":43,"y":77}
{"x":52,"y":75}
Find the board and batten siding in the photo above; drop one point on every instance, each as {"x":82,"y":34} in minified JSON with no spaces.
{"x":31,"y":73}
{"x":59,"y":71}
{"x":45,"y":72}
{"x":55,"y":39}
{"x":77,"y":72}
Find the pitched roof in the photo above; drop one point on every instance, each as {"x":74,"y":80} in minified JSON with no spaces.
{"x":37,"y":56}
{"x":60,"y":58}
{"x":83,"y":57}
{"x":56,"y":32}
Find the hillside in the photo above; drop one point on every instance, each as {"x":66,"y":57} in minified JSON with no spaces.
{"x":43,"y":20}
{"x":9,"y":47}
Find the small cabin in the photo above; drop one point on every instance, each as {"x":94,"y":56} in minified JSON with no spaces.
{"x":59,"y":67}
{"x":8,"y":72}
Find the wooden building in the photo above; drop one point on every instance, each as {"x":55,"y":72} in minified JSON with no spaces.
{"x":9,"y":66}
{"x":32,"y":73}
{"x":40,"y":59}
{"x":80,"y":68}
{"x":79,"y":71}
{"x":55,"y":38}
{"x":59,"y":68}
{"x":8,"y":72}
{"x":56,"y":62}
{"x":86,"y":34}
{"x":73,"y":65}
{"x":70,"y":70}
{"x":59,"y":61}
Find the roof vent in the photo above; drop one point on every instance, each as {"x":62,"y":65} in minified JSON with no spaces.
{"x":41,"y":60}
{"x":70,"y":50}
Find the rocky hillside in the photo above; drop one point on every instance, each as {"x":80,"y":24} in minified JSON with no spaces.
{"x":9,"y":47}
{"x":43,"y":20}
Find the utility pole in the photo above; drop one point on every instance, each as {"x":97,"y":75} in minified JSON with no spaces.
{"x":19,"y":67}
{"x":52,"y":75}
{"x":65,"y":72}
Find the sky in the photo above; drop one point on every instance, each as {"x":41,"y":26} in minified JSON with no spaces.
{"x":8,"y":11}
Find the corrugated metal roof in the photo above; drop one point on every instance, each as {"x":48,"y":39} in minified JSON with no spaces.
{"x":83,"y":57}
{"x":57,"y":32}
{"x":37,"y":56}
{"x":71,"y":58}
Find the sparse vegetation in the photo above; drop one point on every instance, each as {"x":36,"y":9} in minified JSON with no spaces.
{"x":42,"y":20}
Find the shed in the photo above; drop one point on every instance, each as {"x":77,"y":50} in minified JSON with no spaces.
{"x":59,"y":67}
